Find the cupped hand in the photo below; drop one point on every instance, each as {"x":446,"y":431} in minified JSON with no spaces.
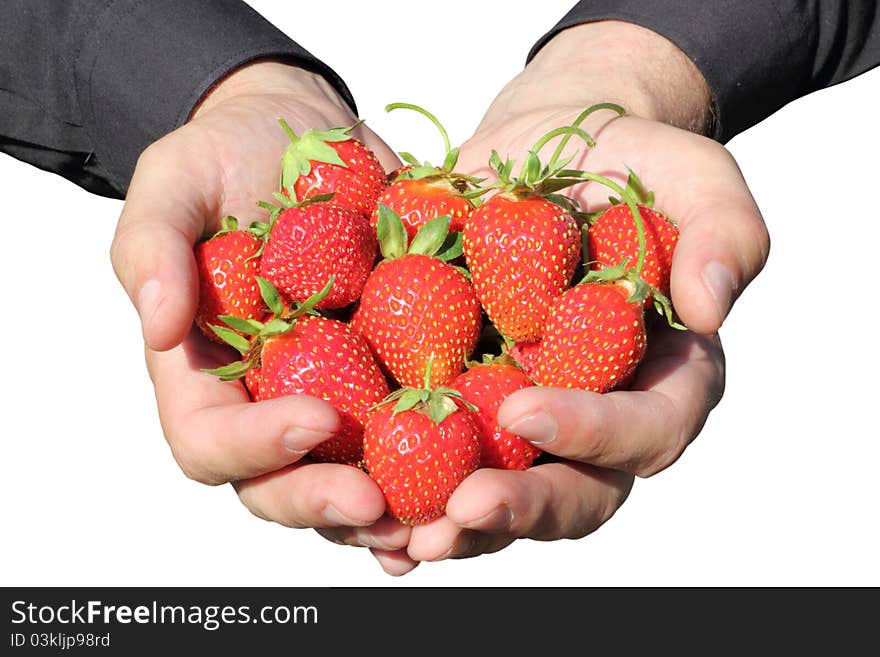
{"x":603,"y":441}
{"x":221,"y":162}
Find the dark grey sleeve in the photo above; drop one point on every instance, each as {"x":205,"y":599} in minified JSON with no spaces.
{"x":756,"y":55}
{"x":86,"y":85}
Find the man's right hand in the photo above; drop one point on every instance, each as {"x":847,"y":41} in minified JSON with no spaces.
{"x":221,"y":162}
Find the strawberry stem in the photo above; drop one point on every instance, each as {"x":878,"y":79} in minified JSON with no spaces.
{"x":580,"y":119}
{"x":290,"y":133}
{"x":564,"y":130}
{"x":433,"y":119}
{"x":530,"y":172}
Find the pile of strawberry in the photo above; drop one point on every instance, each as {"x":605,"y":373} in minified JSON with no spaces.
{"x":374,"y":292}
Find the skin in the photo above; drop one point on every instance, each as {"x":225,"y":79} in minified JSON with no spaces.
{"x":603,"y":441}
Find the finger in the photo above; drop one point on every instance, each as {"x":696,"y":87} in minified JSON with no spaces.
{"x":640,"y":431}
{"x":445,"y":539}
{"x":439,"y":539}
{"x":385,"y":534}
{"x":152,"y":251}
{"x":394,"y":562}
{"x":546,"y":502}
{"x":215,"y":432}
{"x":314,"y":495}
{"x":722,"y":247}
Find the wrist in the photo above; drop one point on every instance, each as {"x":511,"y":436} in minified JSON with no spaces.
{"x":623,"y":63}
{"x":262,"y":77}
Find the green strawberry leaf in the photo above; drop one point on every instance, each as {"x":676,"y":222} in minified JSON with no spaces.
{"x":506,"y":170}
{"x":636,"y":188}
{"x":452,"y":248}
{"x":259,"y":229}
{"x":270,"y":296}
{"x":231,"y":338}
{"x":276,"y":327}
{"x":554,"y":185}
{"x":451,"y":160}
{"x":391,"y":233}
{"x":228,"y":224}
{"x":664,"y":307}
{"x":309,"y":304}
{"x":410,"y":398}
{"x":532,"y":168}
{"x":421,"y":171}
{"x":232,"y":371}
{"x":440,"y":406}
{"x":495,"y":161}
{"x":455,"y":394}
{"x":248,"y":326}
{"x":332,"y":135}
{"x":465,"y":272}
{"x":409,"y":158}
{"x":431,"y":236}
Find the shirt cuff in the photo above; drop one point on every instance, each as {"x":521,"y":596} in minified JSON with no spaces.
{"x":145,"y":65}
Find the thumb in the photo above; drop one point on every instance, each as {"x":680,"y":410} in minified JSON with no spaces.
{"x":722,"y":247}
{"x":152,"y":251}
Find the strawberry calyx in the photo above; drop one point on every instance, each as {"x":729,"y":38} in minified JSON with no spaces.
{"x":436,"y":403}
{"x":504,"y":358}
{"x":230,"y":224}
{"x":547,"y":179}
{"x":433,"y":239}
{"x":639,"y":290}
{"x":282,"y":322}
{"x":419,"y":170}
{"x":285,"y":202}
{"x":311,"y":146}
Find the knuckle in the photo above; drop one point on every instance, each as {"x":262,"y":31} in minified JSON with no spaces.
{"x":191,"y":466}
{"x":663,"y":457}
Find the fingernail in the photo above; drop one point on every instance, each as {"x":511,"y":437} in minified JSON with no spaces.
{"x":334,"y":516}
{"x":148,"y":301}
{"x":497,"y":519}
{"x":299,"y":440}
{"x":720,"y":284}
{"x":367,"y":539}
{"x":458,"y":548}
{"x":540,"y":428}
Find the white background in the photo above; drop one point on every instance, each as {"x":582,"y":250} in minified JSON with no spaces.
{"x":780,"y":489}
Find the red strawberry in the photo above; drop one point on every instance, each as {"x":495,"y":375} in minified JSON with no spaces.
{"x":417,"y":201}
{"x":301,"y":354}
{"x":331,"y":161}
{"x":310,"y":242}
{"x":525,"y":354}
{"x":415,"y":306}
{"x":486,"y":387}
{"x":613,"y":237}
{"x":227,"y":264}
{"x":522,"y":251}
{"x":252,"y":379}
{"x":324,"y":358}
{"x":419,"y":192}
{"x":419,"y":450}
{"x":594,"y":338}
